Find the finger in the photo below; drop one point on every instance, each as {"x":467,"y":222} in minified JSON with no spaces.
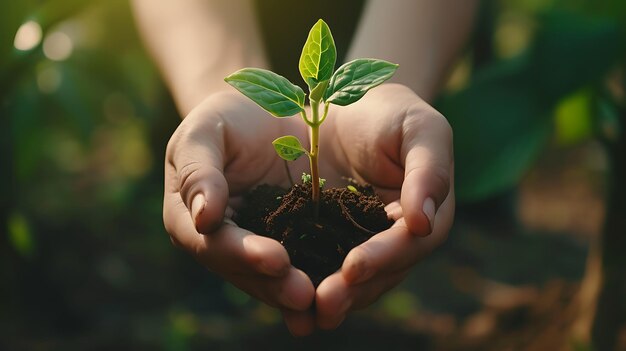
{"x":294,"y":291}
{"x":229,"y":250}
{"x":394,"y":249}
{"x":333,"y":300}
{"x":427,"y":154}
{"x":299,"y":323}
{"x":335,"y":297}
{"x":240,"y":257}
{"x":194,"y":164}
{"x":394,"y":210}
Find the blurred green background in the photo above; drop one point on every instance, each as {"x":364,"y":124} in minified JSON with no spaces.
{"x":537,"y":104}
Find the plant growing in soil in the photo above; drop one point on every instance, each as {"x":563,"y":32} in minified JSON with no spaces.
{"x":317,"y":227}
{"x":281,"y":98}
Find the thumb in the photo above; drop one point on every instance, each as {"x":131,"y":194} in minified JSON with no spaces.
{"x":427,"y":153}
{"x":194,"y":169}
{"x":205,"y":193}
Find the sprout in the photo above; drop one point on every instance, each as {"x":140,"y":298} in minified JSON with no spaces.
{"x":281,"y":98}
{"x":353,"y":189}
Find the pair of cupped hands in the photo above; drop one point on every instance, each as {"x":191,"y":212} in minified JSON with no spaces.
{"x":390,"y":138}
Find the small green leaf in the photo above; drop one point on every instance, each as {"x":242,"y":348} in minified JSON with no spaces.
{"x":319,"y":54}
{"x":288,"y":147}
{"x":318,"y":92}
{"x":276,"y":94}
{"x":352,"y":80}
{"x":353,"y":189}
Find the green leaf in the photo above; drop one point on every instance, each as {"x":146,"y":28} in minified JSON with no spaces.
{"x":288,"y":147}
{"x":319,"y":54}
{"x":500,"y":127}
{"x":318,"y":92}
{"x":306,"y":178}
{"x":276,"y":94}
{"x":503,"y":119}
{"x":352,"y":80}
{"x":571,"y":51}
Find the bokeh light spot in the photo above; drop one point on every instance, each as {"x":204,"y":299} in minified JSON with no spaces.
{"x":58,"y":46}
{"x":28,"y":36}
{"x":513,"y":34}
{"x":48,"y":79}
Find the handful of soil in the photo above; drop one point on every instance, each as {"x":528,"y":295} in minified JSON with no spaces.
{"x":347,"y":218}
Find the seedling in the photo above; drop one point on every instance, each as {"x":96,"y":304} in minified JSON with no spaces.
{"x":352,"y":189}
{"x":281,"y":98}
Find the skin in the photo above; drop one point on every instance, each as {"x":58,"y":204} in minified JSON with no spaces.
{"x":391,"y":138}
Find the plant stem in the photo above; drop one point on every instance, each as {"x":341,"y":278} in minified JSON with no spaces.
{"x":288,"y":172}
{"x":315,"y":177}
{"x":611,"y":307}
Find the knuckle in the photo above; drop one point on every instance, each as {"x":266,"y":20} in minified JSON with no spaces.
{"x":421,"y":115}
{"x":443,"y":126}
{"x":441,"y":176}
{"x":441,"y":120}
{"x":188,"y":177}
{"x":358,"y":259}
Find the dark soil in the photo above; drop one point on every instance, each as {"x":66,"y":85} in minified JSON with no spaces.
{"x":346,"y":219}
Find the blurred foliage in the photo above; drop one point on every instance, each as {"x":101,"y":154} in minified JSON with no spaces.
{"x":20,"y":235}
{"x":84,"y":260}
{"x":510,"y":108}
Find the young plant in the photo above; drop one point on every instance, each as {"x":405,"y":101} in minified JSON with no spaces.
{"x":281,"y":98}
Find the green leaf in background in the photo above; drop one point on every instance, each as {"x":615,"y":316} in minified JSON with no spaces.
{"x":276,"y":94}
{"x":319,"y":54}
{"x":352,"y":80}
{"x":570,"y":51}
{"x":500,"y":126}
{"x":288,"y":147}
{"x":503,"y":119}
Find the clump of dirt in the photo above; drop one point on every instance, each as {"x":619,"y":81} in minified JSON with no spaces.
{"x":347,"y":218}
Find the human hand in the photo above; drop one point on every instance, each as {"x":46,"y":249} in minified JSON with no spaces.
{"x":403,"y":147}
{"x":223,"y":148}
{"x":220,"y":150}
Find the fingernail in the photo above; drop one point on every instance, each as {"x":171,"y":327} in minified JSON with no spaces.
{"x":429,"y":211}
{"x":197,"y":206}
